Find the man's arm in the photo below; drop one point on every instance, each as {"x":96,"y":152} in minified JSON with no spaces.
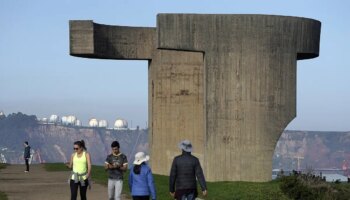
{"x":200,"y":177}
{"x":107,"y":165}
{"x":124,"y":166}
{"x":28,"y":152}
{"x":172,"y":178}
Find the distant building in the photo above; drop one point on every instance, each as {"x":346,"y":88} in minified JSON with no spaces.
{"x":54,"y":119}
{"x":120,"y":124}
{"x":103,"y":123}
{"x":78,"y":123}
{"x":43,"y":120}
{"x":71,"y":119}
{"x":64,"y":120}
{"x":93,"y":122}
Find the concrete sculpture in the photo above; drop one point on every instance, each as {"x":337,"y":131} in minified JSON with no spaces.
{"x":225,"y":82}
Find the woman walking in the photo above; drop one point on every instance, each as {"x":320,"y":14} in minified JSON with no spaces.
{"x":141,"y":181}
{"x":80,"y":163}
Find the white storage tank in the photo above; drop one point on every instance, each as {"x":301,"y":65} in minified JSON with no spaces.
{"x":120,"y":124}
{"x":71,"y":120}
{"x":78,"y":123}
{"x":103,"y":123}
{"x":64,"y":120}
{"x":93,"y":122}
{"x":44,"y":120}
{"x":54,"y":119}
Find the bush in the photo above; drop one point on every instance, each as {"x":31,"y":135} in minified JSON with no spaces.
{"x":293,"y":188}
{"x":18,"y":120}
{"x":310,"y":187}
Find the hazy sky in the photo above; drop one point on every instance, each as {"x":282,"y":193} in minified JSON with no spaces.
{"x":38,"y":76}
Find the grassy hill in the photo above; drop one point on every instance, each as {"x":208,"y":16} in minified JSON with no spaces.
{"x":216,"y":190}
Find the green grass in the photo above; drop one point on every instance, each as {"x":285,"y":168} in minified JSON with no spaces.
{"x":245,"y":190}
{"x":53,"y":167}
{"x":216,"y":190}
{"x":3,"y":196}
{"x":228,"y":190}
{"x":2,"y":166}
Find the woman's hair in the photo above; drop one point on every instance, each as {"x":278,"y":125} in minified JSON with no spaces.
{"x":81,"y":144}
{"x":137,"y":168}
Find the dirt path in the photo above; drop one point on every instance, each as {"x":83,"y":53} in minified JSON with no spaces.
{"x":40,"y":184}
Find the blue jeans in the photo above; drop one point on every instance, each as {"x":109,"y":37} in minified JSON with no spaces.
{"x":189,"y":196}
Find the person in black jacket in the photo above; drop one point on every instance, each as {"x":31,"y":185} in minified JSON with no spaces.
{"x":184,"y":171}
{"x":26,"y":155}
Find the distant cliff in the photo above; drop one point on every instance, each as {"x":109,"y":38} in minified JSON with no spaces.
{"x":313,"y":149}
{"x":54,"y":143}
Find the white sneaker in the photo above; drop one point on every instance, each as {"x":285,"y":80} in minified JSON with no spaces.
{"x":26,"y":171}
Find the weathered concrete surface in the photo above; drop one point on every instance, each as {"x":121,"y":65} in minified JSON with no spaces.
{"x":226,"y":82}
{"x":88,"y":39}
{"x":176,"y":105}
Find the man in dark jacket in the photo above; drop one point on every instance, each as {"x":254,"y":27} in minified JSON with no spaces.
{"x":184,"y":171}
{"x":26,"y":155}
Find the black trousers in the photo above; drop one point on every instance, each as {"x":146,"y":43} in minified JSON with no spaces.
{"x":27,"y":164}
{"x":74,"y":190}
{"x":140,"y":197}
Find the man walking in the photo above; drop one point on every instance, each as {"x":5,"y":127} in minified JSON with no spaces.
{"x":26,"y":155}
{"x":184,"y":171}
{"x":116,"y":164}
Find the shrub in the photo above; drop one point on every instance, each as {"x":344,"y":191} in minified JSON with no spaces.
{"x":310,"y":187}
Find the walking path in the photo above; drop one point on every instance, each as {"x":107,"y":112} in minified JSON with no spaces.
{"x":40,"y":184}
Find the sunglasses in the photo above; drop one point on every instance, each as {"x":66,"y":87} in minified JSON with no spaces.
{"x":76,"y":149}
{"x":114,"y":149}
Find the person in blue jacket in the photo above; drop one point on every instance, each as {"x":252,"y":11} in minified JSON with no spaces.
{"x":141,"y":181}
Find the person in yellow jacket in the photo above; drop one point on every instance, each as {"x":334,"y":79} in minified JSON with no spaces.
{"x":80,"y":163}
